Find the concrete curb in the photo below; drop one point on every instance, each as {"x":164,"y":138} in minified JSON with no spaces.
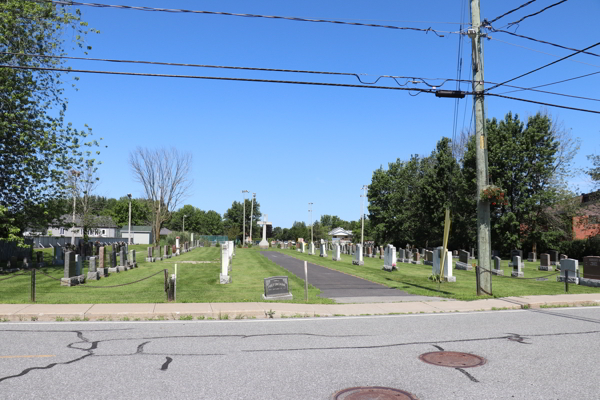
{"x":177,"y":311}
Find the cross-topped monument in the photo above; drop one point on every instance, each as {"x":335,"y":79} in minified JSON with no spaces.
{"x":263,"y":243}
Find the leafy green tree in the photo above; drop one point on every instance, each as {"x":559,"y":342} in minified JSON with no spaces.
{"x":299,"y":230}
{"x":528,"y":161}
{"x":235,"y":216}
{"x":37,"y":146}
{"x":213,"y":224}
{"x":594,"y":172}
{"x":140,"y":212}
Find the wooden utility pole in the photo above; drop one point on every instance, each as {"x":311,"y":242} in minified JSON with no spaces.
{"x":483,"y":207}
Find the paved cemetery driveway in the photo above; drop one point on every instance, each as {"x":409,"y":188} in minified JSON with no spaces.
{"x":343,"y":288}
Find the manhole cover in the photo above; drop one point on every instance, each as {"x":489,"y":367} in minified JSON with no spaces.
{"x":452,"y":359}
{"x":373,"y":393}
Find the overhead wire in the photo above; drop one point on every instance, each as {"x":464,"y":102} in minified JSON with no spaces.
{"x":278,"y":81}
{"x":539,"y":51}
{"x":459,"y":61}
{"x":535,"y":13}
{"x":542,"y":67}
{"x":554,"y":83}
{"x":511,"y":11}
{"x":176,"y":10}
{"x":409,"y":79}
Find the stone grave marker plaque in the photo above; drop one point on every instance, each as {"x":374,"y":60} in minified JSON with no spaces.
{"x":591,"y":267}
{"x":277,"y":288}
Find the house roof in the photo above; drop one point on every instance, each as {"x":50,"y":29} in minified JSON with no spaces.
{"x":136,"y":228}
{"x":100,"y":221}
{"x":165,"y":231}
{"x":339,"y":232}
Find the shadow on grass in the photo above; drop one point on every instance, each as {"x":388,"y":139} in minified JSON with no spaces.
{"x":426,"y":288}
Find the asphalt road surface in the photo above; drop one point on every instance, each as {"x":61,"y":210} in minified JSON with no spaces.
{"x":530,"y":354}
{"x":343,"y":288}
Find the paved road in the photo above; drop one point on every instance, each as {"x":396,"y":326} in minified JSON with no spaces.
{"x":343,"y":288}
{"x":530,"y":354}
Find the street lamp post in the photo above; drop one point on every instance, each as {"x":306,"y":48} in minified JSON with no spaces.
{"x":362,"y":216}
{"x":251,"y":214}
{"x":244,"y":223}
{"x":311,"y":224}
{"x":129,"y":195}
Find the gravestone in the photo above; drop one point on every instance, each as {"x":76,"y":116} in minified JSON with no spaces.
{"x":416,"y":258}
{"x":132,"y":261}
{"x":516,"y":265}
{"x":454,"y":253}
{"x":26,"y":263}
{"x":263,"y":243}
{"x":381,"y":251}
{"x":401,"y":257}
{"x":224,"y":277}
{"x":428,"y":257}
{"x":336,"y":253}
{"x":58,"y":255}
{"x":277,"y":288}
{"x":495,"y":253}
{"x":517,"y":252}
{"x":554,"y":257}
{"x":389,"y":259}
{"x":473,"y":252}
{"x":570,"y":266}
{"x":323,"y":251}
{"x":150,"y":256}
{"x":463,"y":261}
{"x":545,"y":262}
{"x":122,"y":261}
{"x":591,"y":267}
{"x":40,"y":259}
{"x":532,"y":257}
{"x":311,"y":249}
{"x":102,"y":267}
{"x":369,"y":252}
{"x":496,"y":268}
{"x":302,"y":247}
{"x":78,"y":264}
{"x":113,"y":262}
{"x":437,"y":261}
{"x":166,"y":252}
{"x":70,"y":277}
{"x":176,"y":250}
{"x":92,"y":274}
{"x":358,"y":256}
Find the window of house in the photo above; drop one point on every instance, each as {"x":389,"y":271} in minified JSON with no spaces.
{"x":62,"y":231}
{"x":104,"y":231}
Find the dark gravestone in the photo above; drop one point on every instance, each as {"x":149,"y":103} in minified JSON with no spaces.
{"x":277,"y":288}
{"x":591,"y":267}
{"x":463,"y":261}
{"x":553,"y":257}
{"x":514,"y":253}
{"x":532,"y":257}
{"x":113,"y":259}
{"x":70,"y":264}
{"x":497,"y":270}
{"x":545,"y":262}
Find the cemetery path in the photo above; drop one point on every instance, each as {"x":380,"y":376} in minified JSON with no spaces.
{"x":341,"y":287}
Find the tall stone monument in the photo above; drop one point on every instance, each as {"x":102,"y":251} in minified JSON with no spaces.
{"x":263,"y":243}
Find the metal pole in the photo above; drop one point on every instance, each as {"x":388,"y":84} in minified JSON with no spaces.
{"x":483,"y":207}
{"x":305,"y":281}
{"x":566,"y":281}
{"x":74,"y":173}
{"x":129,"y":195}
{"x":244,"y":223}
{"x":311,"y":224}
{"x":33,"y":285}
{"x":251,"y":214}
{"x":362,"y":216}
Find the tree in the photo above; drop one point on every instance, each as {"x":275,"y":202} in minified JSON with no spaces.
{"x":594,"y":172}
{"x":140,"y":212}
{"x":164,"y":175}
{"x":37,"y":146}
{"x":235,"y":216}
{"x":530,"y":162}
{"x":213,"y":223}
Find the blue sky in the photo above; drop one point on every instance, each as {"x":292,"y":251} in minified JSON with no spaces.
{"x":293,"y":144}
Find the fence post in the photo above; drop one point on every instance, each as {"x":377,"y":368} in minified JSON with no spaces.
{"x":477,"y":280}
{"x":305,"y":281}
{"x":566,"y":281}
{"x":167,"y":283}
{"x":33,"y":285}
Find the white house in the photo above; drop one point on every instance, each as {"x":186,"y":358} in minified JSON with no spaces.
{"x":103,"y":227}
{"x":139,"y":234}
{"x":340,"y":235}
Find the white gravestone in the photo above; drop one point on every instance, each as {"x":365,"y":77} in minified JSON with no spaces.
{"x":311,"y":249}
{"x":323,"y":250}
{"x":358,"y":256}
{"x":389,"y":259}
{"x":437,"y":260}
{"x":224,"y":277}
{"x":177,"y":245}
{"x":336,"y":253}
{"x":516,"y":266}
{"x":263,"y":243}
{"x":571,"y":265}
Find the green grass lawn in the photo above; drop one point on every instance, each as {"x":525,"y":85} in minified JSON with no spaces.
{"x":196,"y":283}
{"x":413,"y":278}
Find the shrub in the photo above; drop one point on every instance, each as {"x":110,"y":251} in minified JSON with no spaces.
{"x":578,"y":249}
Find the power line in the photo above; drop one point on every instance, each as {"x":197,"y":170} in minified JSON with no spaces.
{"x":541,"y":52}
{"x":536,"y":13}
{"x":410,"y":79}
{"x":542,"y":103}
{"x":538,"y":40}
{"x":176,"y":10}
{"x":276,"y":81}
{"x":542,"y":67}
{"x":554,"y":83}
{"x":511,"y":11}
